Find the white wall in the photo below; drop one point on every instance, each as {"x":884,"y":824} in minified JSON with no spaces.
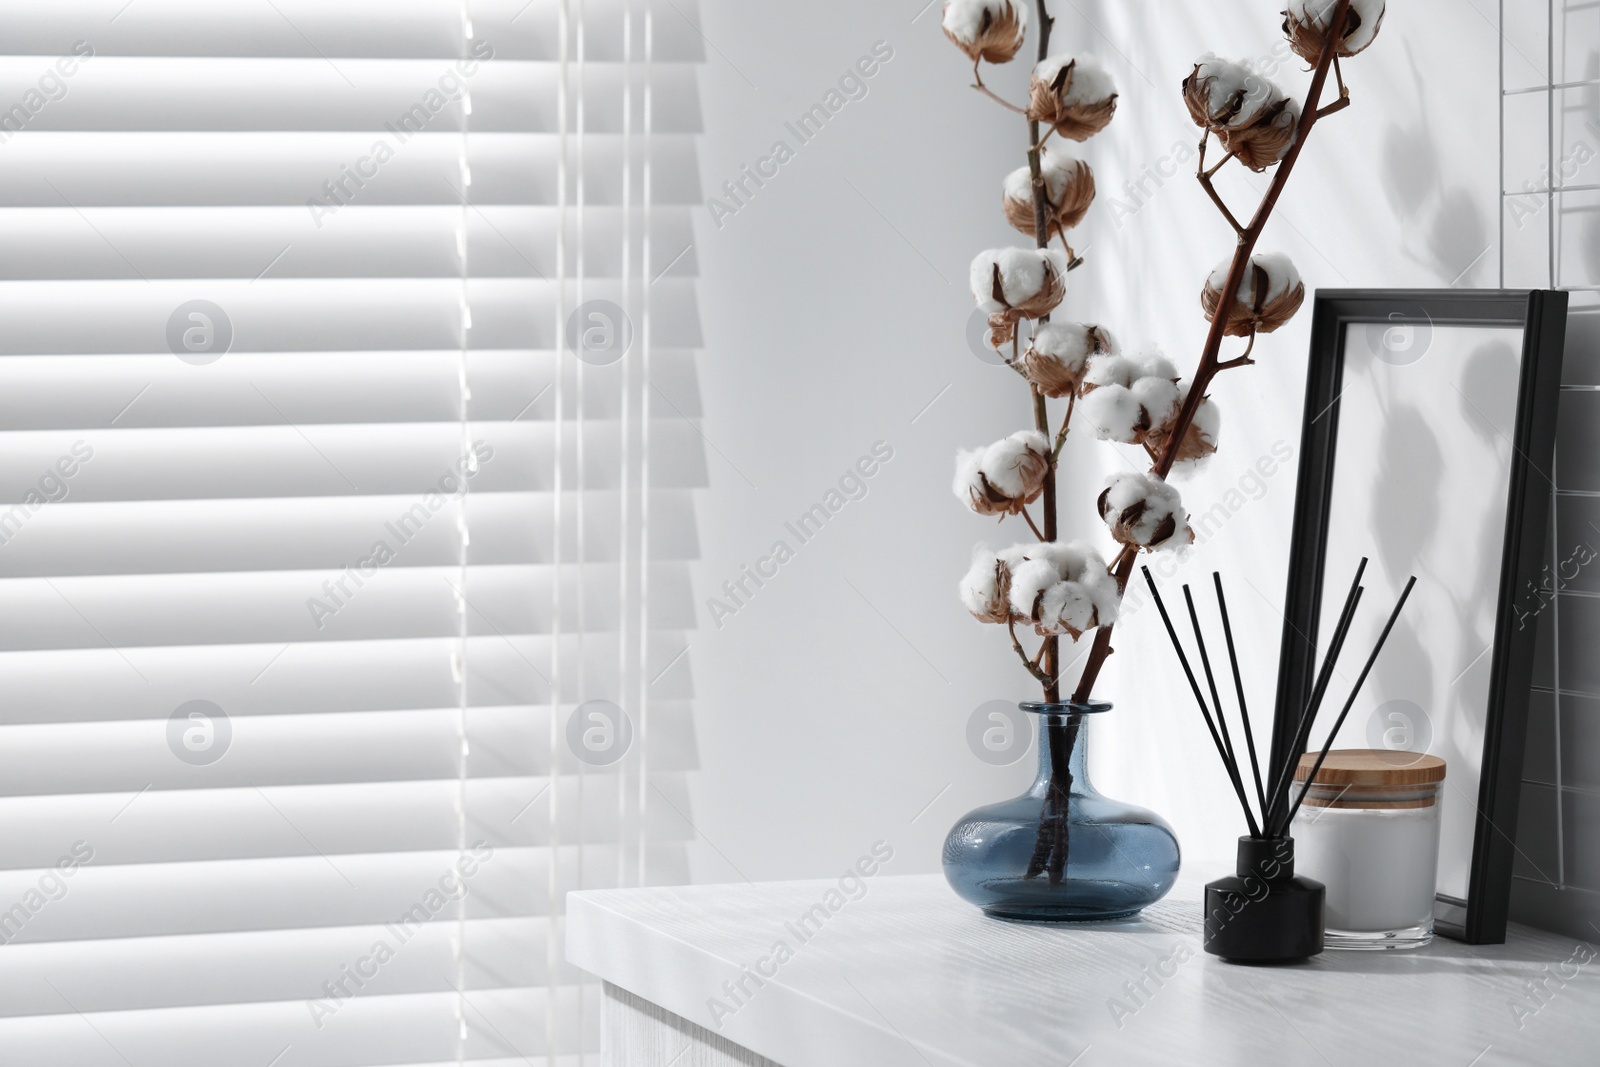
{"x":832,"y":706}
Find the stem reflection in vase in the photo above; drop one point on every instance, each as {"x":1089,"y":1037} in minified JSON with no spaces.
{"x":1061,"y":852}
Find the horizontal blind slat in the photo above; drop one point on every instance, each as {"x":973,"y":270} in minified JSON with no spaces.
{"x":388,"y":99}
{"x":363,"y":241}
{"x":287,"y":169}
{"x":410,"y":751}
{"x":309,"y":29}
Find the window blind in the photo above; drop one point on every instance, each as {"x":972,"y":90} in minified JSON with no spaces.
{"x":321,"y":519}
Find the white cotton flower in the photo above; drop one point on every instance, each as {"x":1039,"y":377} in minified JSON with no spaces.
{"x":991,"y":30}
{"x":1157,"y":398}
{"x":1067,"y":557}
{"x":1113,"y":414}
{"x":1003,"y":478}
{"x":1253,"y":118}
{"x":969,"y":472}
{"x":1015,"y":465}
{"x":1074,"y":94}
{"x":1091,"y":83}
{"x":1143,"y":511}
{"x":1305,"y":23}
{"x":1029,"y":580}
{"x":1066,"y":605}
{"x":986,"y":587}
{"x":1112,"y":369}
{"x":1124,"y":398}
{"x":1268,"y":295}
{"x":1062,"y":589}
{"x":1068,"y":188}
{"x":1226,"y":94}
{"x":1059,"y":354}
{"x":1024,"y":282}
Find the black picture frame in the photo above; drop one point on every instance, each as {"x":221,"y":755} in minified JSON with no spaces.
{"x":1542,"y":316}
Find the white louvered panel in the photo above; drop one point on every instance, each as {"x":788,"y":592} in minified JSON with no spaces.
{"x":362,"y":241}
{"x":297,"y":892}
{"x":154,"y":390}
{"x":312,"y":533}
{"x":288,"y":751}
{"x":363,"y":313}
{"x":236,"y":95}
{"x":270,"y":608}
{"x":324,"y":460}
{"x":286,"y":169}
{"x":83,"y":684}
{"x":218,"y":969}
{"x":313,"y":28}
{"x":167,"y":527}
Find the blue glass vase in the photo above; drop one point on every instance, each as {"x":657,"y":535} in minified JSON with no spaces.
{"x":1061,"y":852}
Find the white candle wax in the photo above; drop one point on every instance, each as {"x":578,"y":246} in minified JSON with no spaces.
{"x":1379,"y":864}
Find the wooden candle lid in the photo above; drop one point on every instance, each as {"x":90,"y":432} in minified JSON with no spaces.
{"x":1372,"y":767}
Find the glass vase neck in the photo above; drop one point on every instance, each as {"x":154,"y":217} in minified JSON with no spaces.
{"x":1063,"y":743}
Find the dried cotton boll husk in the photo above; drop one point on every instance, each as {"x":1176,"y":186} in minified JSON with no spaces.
{"x":1068,"y":192}
{"x":1073,"y":94}
{"x":986,"y":587}
{"x":1269,"y":294}
{"x":1199,"y":442}
{"x":1004,"y":477}
{"x":1143,"y":511}
{"x":1251,"y":116}
{"x":1002,"y":323}
{"x":1024,"y":282}
{"x":1305,"y":23}
{"x":1268,"y":139}
{"x":1221,"y":92}
{"x":1059,"y":354}
{"x":991,"y":30}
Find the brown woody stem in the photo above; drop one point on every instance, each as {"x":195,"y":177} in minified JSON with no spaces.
{"x":1038,"y":674}
{"x":1041,"y":415}
{"x":1061,"y":435}
{"x":1204,"y":177}
{"x":1031,"y":526}
{"x":977,"y":83}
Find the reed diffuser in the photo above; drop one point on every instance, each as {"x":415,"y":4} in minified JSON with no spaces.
{"x":1263,"y":912}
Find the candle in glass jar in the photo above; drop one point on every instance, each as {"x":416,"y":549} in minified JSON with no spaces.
{"x":1369,"y":831}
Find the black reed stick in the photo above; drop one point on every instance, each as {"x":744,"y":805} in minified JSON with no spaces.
{"x":1346,"y":613}
{"x":1344,"y":711}
{"x":1280,"y":787}
{"x":1194,"y":686}
{"x":1238,"y":685}
{"x":1232,"y":762}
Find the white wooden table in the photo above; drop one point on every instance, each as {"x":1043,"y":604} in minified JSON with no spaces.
{"x":907,"y":974}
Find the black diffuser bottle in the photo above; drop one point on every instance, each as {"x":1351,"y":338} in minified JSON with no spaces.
{"x":1264,"y":912}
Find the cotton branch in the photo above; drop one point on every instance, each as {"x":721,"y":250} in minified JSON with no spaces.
{"x":1209,"y":364}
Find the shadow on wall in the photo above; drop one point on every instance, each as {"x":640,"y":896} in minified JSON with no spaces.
{"x":1452,"y":235}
